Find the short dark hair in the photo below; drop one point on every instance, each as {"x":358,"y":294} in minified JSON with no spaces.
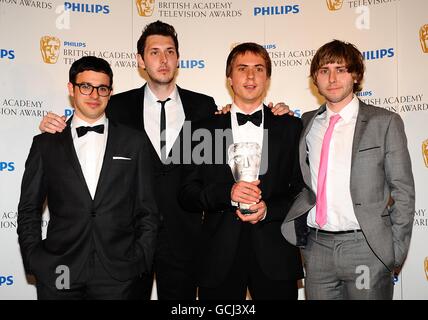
{"x":248,"y":47}
{"x":157,"y":28}
{"x":338,"y":51}
{"x":89,"y":63}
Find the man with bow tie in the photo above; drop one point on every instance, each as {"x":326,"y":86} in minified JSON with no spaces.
{"x":96,"y":180}
{"x":237,"y":251}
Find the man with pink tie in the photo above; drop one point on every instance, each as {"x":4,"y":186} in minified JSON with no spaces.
{"x":353,"y":220}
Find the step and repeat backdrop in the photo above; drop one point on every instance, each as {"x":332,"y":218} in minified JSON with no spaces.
{"x":39,"y":40}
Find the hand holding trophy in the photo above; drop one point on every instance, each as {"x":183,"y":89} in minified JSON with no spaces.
{"x":244,"y":161}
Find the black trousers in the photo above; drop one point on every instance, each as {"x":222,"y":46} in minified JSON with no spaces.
{"x":98,"y":285}
{"x":175,"y":276}
{"x":247,"y":273}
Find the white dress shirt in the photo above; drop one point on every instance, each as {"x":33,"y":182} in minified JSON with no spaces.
{"x":248,"y":132}
{"x":90,"y":150}
{"x":340,"y":210}
{"x":174,"y":114}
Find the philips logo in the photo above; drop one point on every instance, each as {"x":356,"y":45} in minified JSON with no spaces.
{"x":68,"y":112}
{"x":88,"y":8}
{"x":6,"y":280}
{"x":7,"y":166}
{"x":191,"y":64}
{"x":7,"y":54}
{"x":297,"y":113}
{"x":74,"y":44}
{"x":276,"y":10}
{"x":365,"y":94}
{"x":269,"y":46}
{"x":378,"y":54}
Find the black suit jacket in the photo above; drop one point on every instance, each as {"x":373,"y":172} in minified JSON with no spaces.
{"x":120,"y":223}
{"x":207,"y":188}
{"x":182,"y":228}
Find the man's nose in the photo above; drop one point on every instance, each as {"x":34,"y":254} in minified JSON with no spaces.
{"x":332,"y":77}
{"x":163,"y":57}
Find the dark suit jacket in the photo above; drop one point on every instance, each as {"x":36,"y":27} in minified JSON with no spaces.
{"x":120,"y":223}
{"x":380,"y":169}
{"x":182,"y":228}
{"x":207,"y":188}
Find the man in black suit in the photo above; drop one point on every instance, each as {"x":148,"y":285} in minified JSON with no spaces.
{"x":161,"y":109}
{"x":245,"y":251}
{"x":97,"y":181}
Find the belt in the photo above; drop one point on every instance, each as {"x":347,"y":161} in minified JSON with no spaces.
{"x":335,"y":232}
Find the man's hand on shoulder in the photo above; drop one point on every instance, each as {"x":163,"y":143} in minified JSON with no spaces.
{"x":280,"y":109}
{"x":52,"y":123}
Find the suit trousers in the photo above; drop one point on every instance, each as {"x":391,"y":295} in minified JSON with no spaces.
{"x":175,"y":277}
{"x":97,"y":284}
{"x":247,"y":273}
{"x":342,"y":267}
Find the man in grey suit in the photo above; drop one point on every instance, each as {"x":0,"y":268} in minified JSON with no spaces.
{"x":353,"y":219}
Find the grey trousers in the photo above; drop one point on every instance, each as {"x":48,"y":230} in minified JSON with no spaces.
{"x":342,"y":266}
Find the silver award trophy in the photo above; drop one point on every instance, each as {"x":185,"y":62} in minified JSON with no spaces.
{"x":244,"y":161}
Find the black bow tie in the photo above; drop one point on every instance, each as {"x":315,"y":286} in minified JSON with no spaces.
{"x":81,"y":131}
{"x":255,"y":118}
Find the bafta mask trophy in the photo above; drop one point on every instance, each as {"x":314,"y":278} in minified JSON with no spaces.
{"x":145,"y":7}
{"x":334,"y":5}
{"x":244,"y":161}
{"x":425,"y":152}
{"x":426,"y":267}
{"x":49,"y":47}
{"x":423,"y":37}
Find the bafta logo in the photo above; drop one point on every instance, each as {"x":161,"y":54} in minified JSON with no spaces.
{"x":334,"y":5}
{"x":145,"y":7}
{"x":423,"y":38}
{"x":425,"y":151}
{"x":49,"y":47}
{"x":426,"y":267}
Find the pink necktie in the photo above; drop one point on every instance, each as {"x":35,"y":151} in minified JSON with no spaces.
{"x":321,"y":210}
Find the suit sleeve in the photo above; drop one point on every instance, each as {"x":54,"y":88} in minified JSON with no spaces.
{"x":147,"y":216}
{"x":196,"y":195}
{"x":30,"y":207}
{"x":278,"y":205}
{"x":400,"y":180}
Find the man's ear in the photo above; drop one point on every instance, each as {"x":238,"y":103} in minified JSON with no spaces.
{"x":140,"y":61}
{"x":70,"y":89}
{"x":229,"y":81}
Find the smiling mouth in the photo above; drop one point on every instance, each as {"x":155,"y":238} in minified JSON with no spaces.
{"x":93,"y":104}
{"x":251,"y":87}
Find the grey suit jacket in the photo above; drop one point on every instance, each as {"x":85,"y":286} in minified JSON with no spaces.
{"x":380,"y":168}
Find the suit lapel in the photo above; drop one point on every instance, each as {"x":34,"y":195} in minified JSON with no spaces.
{"x":140,"y":104}
{"x":303,"y":154}
{"x":186,"y":102}
{"x":67,"y":143}
{"x":272,"y":134}
{"x":111,"y":147}
{"x":360,"y":128}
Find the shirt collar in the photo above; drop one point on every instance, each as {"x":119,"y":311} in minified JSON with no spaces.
{"x":349,"y":112}
{"x":234,"y":109}
{"x":152,"y":97}
{"x":77,"y":122}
